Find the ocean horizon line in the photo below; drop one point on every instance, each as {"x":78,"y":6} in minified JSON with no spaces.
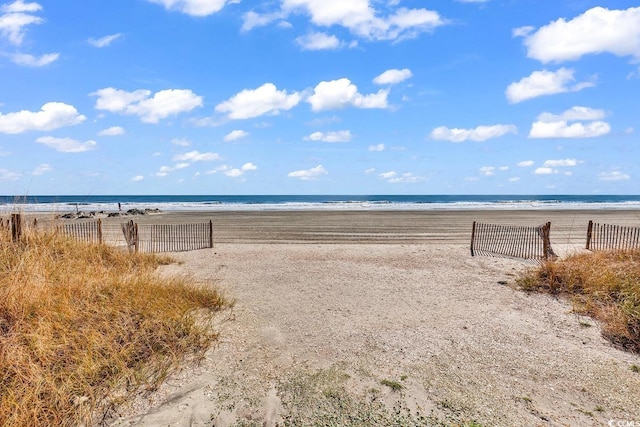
{"x":63,"y":203}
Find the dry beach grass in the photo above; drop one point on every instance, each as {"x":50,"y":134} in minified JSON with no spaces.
{"x":82,"y":327}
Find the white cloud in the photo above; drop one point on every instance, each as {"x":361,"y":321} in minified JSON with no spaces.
{"x":235,"y":172}
{"x":104,"y":41}
{"x":112,"y":131}
{"x":7,"y":175}
{"x":137,"y":178}
{"x":522,"y":31}
{"x":336,"y":94}
{"x":487,"y":170}
{"x":163,"y":104}
{"x":16,"y":17}
{"x":194,"y":7}
{"x":598,"y":30}
{"x":335,"y":136}
{"x":370,"y":171}
{"x":66,"y":145}
{"x":543,"y":171}
{"x":235,"y":135}
{"x":525,"y":163}
{"x":544,"y":82}
{"x":266,"y":99}
{"x":557,"y":126}
{"x":181,"y":142}
{"x":393,"y":76}
{"x":394,"y":177}
{"x":573,"y":114}
{"x":360,"y":17}
{"x":514,"y":179}
{"x":560,"y":163}
{"x":53,"y":115}
{"x":26,"y":60}
{"x":252,"y":19}
{"x":613,"y":176}
{"x":196,"y":156}
{"x":318,"y":41}
{"x":377,"y":147}
{"x":480,"y":133}
{"x":309,"y":174}
{"x":42,"y":169}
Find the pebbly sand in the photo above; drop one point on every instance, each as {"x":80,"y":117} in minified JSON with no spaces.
{"x":364,"y":312}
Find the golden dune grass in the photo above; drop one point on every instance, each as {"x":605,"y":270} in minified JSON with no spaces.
{"x":82,"y":327}
{"x":604,"y":285}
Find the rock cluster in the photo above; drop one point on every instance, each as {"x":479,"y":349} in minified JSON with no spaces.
{"x":94,"y":214}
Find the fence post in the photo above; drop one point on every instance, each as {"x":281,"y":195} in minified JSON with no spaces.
{"x":589,"y":234}
{"x":100,"y":230}
{"x":210,"y":233}
{"x":135,"y":236}
{"x":473,"y":236}
{"x":16,"y":227}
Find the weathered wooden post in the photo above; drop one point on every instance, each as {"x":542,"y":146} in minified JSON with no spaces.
{"x":473,"y":236}
{"x":210,"y":233}
{"x":16,"y":227}
{"x":589,"y":234}
{"x":135,"y":238}
{"x":100,"y":231}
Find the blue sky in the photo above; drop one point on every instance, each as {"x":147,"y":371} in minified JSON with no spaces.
{"x":319,"y":97}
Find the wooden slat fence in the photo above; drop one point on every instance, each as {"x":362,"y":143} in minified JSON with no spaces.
{"x":530,"y":243}
{"x":153,"y":238}
{"x":87,"y":231}
{"x":607,"y":237}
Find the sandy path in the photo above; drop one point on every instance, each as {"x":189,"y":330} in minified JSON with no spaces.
{"x":424,"y":315}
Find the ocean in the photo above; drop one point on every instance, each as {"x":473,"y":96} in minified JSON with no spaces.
{"x":315,"y":202}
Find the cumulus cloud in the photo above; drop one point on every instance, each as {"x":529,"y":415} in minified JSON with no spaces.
{"x":377,"y":147}
{"x":236,"y":172}
{"x":334,"y":136}
{"x":266,"y":99}
{"x":252,"y":19}
{"x":558,"y":125}
{"x":194,"y":7}
{"x":487,"y":170}
{"x":7,"y":175}
{"x":336,"y":94}
{"x":613,"y":176}
{"x":598,"y":30}
{"x":149,"y":109}
{"x":27,"y":60}
{"x":137,"y":178}
{"x":196,"y":156}
{"x":66,"y":145}
{"x":104,"y":41}
{"x":551,"y":167}
{"x":309,"y":174}
{"x":16,"y":17}
{"x":42,"y":169}
{"x":235,"y":135}
{"x":480,"y":133}
{"x":318,"y":41}
{"x":181,"y":142}
{"x":544,"y":82}
{"x":53,"y":115}
{"x":394,"y":177}
{"x":363,"y":20}
{"x":525,"y":163}
{"x":112,"y":131}
{"x":393,"y":76}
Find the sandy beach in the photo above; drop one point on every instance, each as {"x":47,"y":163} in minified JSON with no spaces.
{"x":384,"y":310}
